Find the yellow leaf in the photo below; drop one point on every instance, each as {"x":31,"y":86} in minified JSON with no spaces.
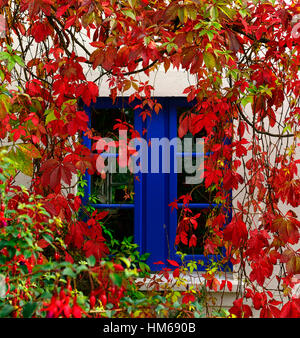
{"x":209,"y":60}
{"x":182,"y":14}
{"x":4,"y":105}
{"x":29,"y":150}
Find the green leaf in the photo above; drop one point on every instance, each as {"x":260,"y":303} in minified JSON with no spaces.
{"x":69,"y":272}
{"x":11,"y":251}
{"x":10,"y":65}
{"x":116,"y":279}
{"x":198,"y":26}
{"x":145,"y":256}
{"x":4,"y":56}
{"x":81,"y":268}
{"x":29,"y":309}
{"x":247,"y":99}
{"x":50,"y":116}
{"x":21,"y":160}
{"x":91,"y":260}
{"x":129,"y":13}
{"x":6,"y":310}
{"x":287,"y":128}
{"x":27,"y":254}
{"x":19,"y":60}
{"x":159,"y":308}
{"x":48,"y":238}
{"x":144,"y":267}
{"x":210,"y":35}
{"x":170,"y":47}
{"x":3,"y":244}
{"x":192,"y":13}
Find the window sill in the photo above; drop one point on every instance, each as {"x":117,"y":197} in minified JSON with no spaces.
{"x":186,"y":282}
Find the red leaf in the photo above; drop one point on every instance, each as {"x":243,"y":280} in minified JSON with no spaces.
{"x":100,"y":215}
{"x":240,"y":310}
{"x":173,"y":205}
{"x":291,"y":309}
{"x":176,"y":273}
{"x":193,"y":241}
{"x":70,"y":21}
{"x":257,"y":301}
{"x":96,"y":248}
{"x":174,"y":263}
{"x":231,"y":180}
{"x":68,"y":257}
{"x":35,"y":139}
{"x":223,"y":284}
{"x":159,"y":262}
{"x":118,"y":267}
{"x":40,"y":31}
{"x":287,"y":228}
{"x":183,"y":127}
{"x":88,"y":92}
{"x":188,"y":298}
{"x":54,"y":172}
{"x":236,"y":231}
{"x":184,"y":237}
{"x":35,"y":6}
{"x":229,"y":285}
{"x":240,"y":149}
{"x":61,"y":10}
{"x":76,"y":235}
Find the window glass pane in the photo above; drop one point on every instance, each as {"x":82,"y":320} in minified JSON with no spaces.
{"x":112,"y":187}
{"x":199,"y":193}
{"x":103,"y":120}
{"x":118,"y":225}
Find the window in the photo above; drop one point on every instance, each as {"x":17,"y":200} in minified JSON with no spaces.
{"x":148,"y":216}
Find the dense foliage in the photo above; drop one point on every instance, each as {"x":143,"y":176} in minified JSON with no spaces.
{"x":245,"y":56}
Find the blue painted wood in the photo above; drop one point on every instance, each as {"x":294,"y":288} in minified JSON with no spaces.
{"x":172,"y":226}
{"x":154,"y":223}
{"x":199,"y":205}
{"x":139,"y":196}
{"x":156,"y":195}
{"x":88,"y":143}
{"x":113,"y":206}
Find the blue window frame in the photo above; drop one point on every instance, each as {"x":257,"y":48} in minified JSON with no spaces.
{"x":155,"y":223}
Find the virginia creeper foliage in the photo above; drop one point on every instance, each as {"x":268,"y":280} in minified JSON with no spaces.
{"x":245,"y":57}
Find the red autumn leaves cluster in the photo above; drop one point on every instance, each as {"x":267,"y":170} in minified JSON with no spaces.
{"x":87,"y":236}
